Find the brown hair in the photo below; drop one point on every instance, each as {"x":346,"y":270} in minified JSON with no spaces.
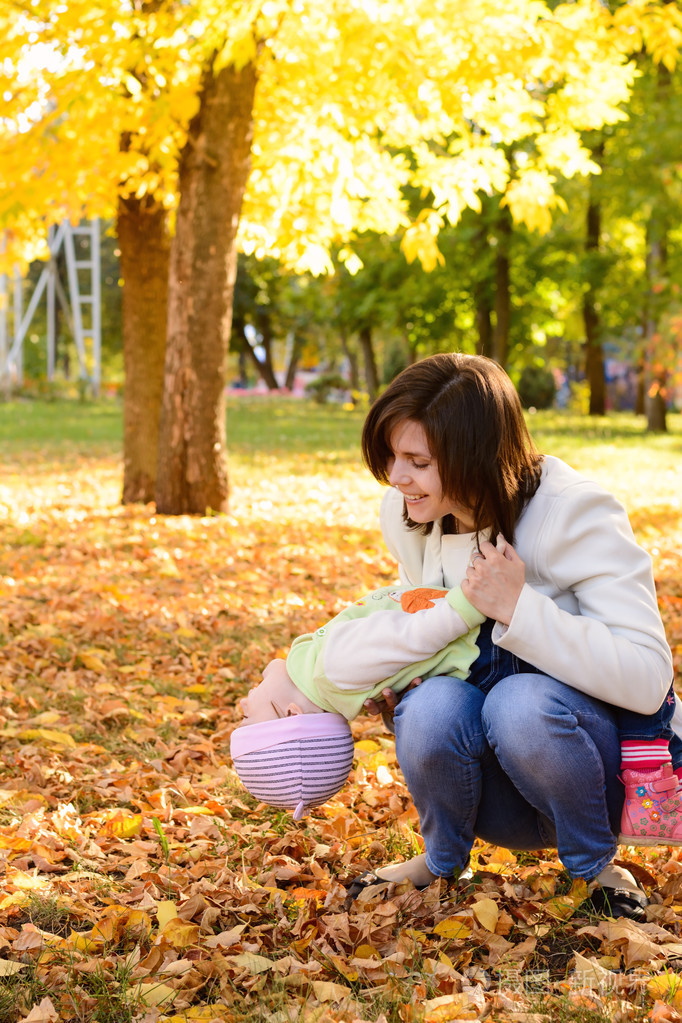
{"x":473,"y":421}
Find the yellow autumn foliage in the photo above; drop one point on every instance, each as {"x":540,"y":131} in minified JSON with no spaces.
{"x":98,"y":97}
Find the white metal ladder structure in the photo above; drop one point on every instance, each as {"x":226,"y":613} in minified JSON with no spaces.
{"x":80,"y":303}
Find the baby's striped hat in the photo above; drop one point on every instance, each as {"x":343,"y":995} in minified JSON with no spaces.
{"x":295,"y":762}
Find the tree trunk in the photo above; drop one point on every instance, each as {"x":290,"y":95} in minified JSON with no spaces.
{"x":371,"y":376}
{"x":352,"y":362}
{"x":294,"y":359}
{"x":502,"y":288}
{"x":263,"y":367}
{"x":481,"y":293}
{"x":144,"y":243}
{"x":214,"y":166}
{"x":594,"y":352}
{"x":655,"y":375}
{"x":484,"y":326}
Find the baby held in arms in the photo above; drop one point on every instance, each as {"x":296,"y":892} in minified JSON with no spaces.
{"x":294,"y":748}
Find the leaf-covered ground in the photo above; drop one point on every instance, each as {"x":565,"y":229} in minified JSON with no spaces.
{"x":140,"y":883}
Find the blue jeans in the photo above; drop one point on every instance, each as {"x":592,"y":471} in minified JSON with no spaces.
{"x":648,"y":726}
{"x":530,"y":764}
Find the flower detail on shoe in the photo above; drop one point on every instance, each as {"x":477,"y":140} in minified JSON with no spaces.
{"x":652,"y":811}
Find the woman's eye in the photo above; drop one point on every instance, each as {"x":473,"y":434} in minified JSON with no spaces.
{"x":418,"y":465}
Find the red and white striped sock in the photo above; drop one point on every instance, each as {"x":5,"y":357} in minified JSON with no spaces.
{"x":644,"y":754}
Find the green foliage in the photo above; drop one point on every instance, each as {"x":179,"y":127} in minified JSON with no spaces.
{"x":324,"y":385}
{"x":536,"y":387}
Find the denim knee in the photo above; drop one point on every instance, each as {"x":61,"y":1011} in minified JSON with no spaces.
{"x":515,"y":715}
{"x":441,"y":715}
{"x":530,"y":712}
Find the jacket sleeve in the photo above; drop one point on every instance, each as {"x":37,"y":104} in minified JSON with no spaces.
{"x":599,"y":630}
{"x":364,"y":651}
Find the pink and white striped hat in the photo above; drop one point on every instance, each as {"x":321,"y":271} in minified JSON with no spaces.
{"x":294,"y":763}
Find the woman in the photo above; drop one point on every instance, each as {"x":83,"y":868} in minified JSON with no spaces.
{"x":528,"y":755}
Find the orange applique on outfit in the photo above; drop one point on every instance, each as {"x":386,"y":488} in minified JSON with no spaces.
{"x":420,"y":599}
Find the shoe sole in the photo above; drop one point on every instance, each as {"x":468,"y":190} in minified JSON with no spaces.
{"x":642,"y":840}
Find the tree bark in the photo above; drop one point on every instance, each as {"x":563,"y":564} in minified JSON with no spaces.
{"x":482,"y":293}
{"x":371,"y":375}
{"x":144,"y":243}
{"x":594,"y":352}
{"x":655,"y":375}
{"x":352,"y":361}
{"x":502,"y":287}
{"x":262,"y":366}
{"x":294,"y":359}
{"x":214,"y":166}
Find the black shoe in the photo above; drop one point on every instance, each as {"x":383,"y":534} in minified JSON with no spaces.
{"x":617,"y":902}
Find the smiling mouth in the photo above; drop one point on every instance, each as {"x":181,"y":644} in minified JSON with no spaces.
{"x":413,"y":497}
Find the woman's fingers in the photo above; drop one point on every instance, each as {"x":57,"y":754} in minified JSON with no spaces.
{"x":388,"y":701}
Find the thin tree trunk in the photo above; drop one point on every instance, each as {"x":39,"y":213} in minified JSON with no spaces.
{"x":482,"y":293}
{"x":352,"y":361}
{"x":655,"y":377}
{"x":658,"y":294}
{"x":294,"y":359}
{"x":502,"y":288}
{"x":594,"y":352}
{"x":144,"y":243}
{"x":263,"y":367}
{"x":214,"y":167}
{"x":371,"y":376}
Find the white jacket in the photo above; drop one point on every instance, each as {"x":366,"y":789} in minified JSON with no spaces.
{"x":587,"y":614}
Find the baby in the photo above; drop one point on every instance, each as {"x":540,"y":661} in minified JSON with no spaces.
{"x":294,"y":748}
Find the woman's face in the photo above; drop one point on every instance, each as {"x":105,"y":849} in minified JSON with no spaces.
{"x":414,"y":472}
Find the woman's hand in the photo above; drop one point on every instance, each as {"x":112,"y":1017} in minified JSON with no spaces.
{"x":494,"y":580}
{"x":388,"y":701}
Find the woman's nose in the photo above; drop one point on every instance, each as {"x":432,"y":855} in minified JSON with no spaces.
{"x":397,"y":472}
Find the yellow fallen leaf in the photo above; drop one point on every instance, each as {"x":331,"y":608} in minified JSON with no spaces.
{"x":165,"y":911}
{"x":367,"y":746}
{"x":154,"y":994}
{"x":366,"y":952}
{"x":180,"y":933}
{"x":667,"y":987}
{"x":124,"y":826}
{"x":45,"y":1012}
{"x":591,"y":974}
{"x":8,"y":967}
{"x":48,"y":735}
{"x":48,"y":717}
{"x":344,"y":968}
{"x":452,"y":928}
{"x":93,"y":662}
{"x":201,"y":1012}
{"x":27,"y":882}
{"x":487,"y":913}
{"x":89,"y":942}
{"x":327,"y":991}
{"x":251,"y":962}
{"x":449,"y":1007}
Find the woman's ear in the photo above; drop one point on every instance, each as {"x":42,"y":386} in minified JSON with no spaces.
{"x":292,"y":710}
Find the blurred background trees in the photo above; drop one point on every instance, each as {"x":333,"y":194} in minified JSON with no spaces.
{"x":397,"y":178}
